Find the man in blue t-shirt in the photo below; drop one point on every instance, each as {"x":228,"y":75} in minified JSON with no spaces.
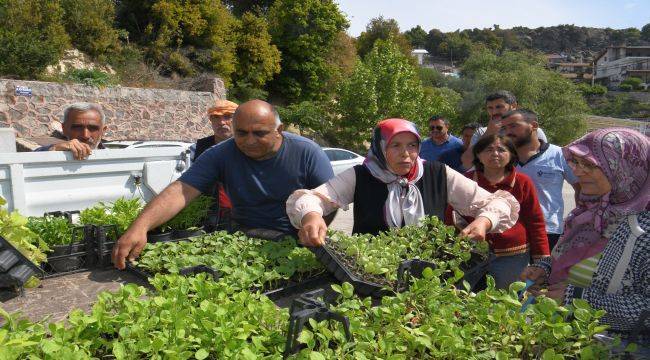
{"x":440,"y":145}
{"x":259,"y":168}
{"x":544,"y":163}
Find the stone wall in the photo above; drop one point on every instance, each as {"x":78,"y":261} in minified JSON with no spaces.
{"x":36,"y":109}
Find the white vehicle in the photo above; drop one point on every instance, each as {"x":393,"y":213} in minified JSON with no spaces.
{"x":146,"y":144}
{"x":342,"y":159}
{"x":37,"y":182}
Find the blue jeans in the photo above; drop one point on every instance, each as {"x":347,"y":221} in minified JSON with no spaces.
{"x":506,"y":269}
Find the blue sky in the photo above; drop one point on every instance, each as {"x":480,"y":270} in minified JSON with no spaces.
{"x":462,"y":14}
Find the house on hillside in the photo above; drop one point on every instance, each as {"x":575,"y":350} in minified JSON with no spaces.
{"x":555,"y":58}
{"x":617,"y":63}
{"x":576,"y":71}
{"x":421,"y":55}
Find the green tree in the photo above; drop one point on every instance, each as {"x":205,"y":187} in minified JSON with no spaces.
{"x":134,"y":16}
{"x":645,"y":32}
{"x":384,"y":85}
{"x":258,"y":59}
{"x":557,"y":101}
{"x":629,"y":36}
{"x":185,"y":34}
{"x":89,"y":24}
{"x":487,"y":37}
{"x":304,"y":31}
{"x":384,"y":29}
{"x":435,"y":37}
{"x":417,"y":37}
{"x":240,"y":7}
{"x":32,"y":36}
{"x":341,"y":60}
{"x":457,"y":46}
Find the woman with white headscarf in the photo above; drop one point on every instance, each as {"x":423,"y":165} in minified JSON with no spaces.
{"x":394,"y":187}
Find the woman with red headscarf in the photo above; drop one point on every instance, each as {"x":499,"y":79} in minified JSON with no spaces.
{"x":604,"y":255}
{"x":394,"y":188}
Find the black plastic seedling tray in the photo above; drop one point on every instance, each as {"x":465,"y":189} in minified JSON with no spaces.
{"x":15,"y":268}
{"x":336,"y":267}
{"x":414,"y":267}
{"x":75,"y":257}
{"x":284,"y":296}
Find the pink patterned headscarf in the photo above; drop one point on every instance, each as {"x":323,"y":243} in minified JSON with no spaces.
{"x":624,"y":157}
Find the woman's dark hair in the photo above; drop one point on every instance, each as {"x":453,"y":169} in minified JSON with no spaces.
{"x":488,"y":140}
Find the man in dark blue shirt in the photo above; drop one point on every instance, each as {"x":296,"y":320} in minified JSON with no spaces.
{"x":440,"y":143}
{"x":259,"y":168}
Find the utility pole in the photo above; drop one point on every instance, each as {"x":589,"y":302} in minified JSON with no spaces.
{"x":593,"y":72}
{"x":451,"y":55}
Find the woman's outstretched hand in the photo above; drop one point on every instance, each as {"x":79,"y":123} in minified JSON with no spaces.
{"x":313,"y":230}
{"x":477,"y":229}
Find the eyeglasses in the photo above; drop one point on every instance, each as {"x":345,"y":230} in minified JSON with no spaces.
{"x":434,"y":127}
{"x":584,"y":166}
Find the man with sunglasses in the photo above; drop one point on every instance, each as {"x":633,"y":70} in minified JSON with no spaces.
{"x":441,"y":145}
{"x":83,"y":127}
{"x":259,"y":168}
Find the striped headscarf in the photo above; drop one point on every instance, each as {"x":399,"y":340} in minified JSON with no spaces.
{"x":623,"y":155}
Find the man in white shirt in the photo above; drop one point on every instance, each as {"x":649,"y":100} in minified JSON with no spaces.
{"x":545,"y":164}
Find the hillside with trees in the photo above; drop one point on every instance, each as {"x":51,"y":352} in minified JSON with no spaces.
{"x":569,"y":39}
{"x":297,"y":54}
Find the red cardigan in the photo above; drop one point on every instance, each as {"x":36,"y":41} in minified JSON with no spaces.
{"x":529,"y":232}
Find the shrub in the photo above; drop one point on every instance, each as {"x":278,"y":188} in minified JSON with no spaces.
{"x":32,"y":37}
{"x":633,"y":82}
{"x":90,"y":77}
{"x":588,"y":90}
{"x":626,"y":87}
{"x":90,"y":26}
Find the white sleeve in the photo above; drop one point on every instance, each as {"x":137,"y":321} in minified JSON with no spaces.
{"x":477,"y":135}
{"x":338,"y":192}
{"x":469,"y":199}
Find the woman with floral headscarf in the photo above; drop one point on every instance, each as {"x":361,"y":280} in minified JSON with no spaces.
{"x":604,"y":255}
{"x":394,"y":187}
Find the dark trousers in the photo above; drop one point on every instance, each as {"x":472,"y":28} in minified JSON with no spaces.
{"x":552,"y":240}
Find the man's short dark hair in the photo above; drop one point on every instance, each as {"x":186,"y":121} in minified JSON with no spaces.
{"x":528,"y":115}
{"x":439,"y":117}
{"x":472,"y":126}
{"x":507,"y":96}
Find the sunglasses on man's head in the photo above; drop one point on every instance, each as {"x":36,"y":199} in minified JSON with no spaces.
{"x":435,"y":127}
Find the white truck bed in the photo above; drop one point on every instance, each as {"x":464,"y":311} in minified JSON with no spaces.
{"x":38,"y":182}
